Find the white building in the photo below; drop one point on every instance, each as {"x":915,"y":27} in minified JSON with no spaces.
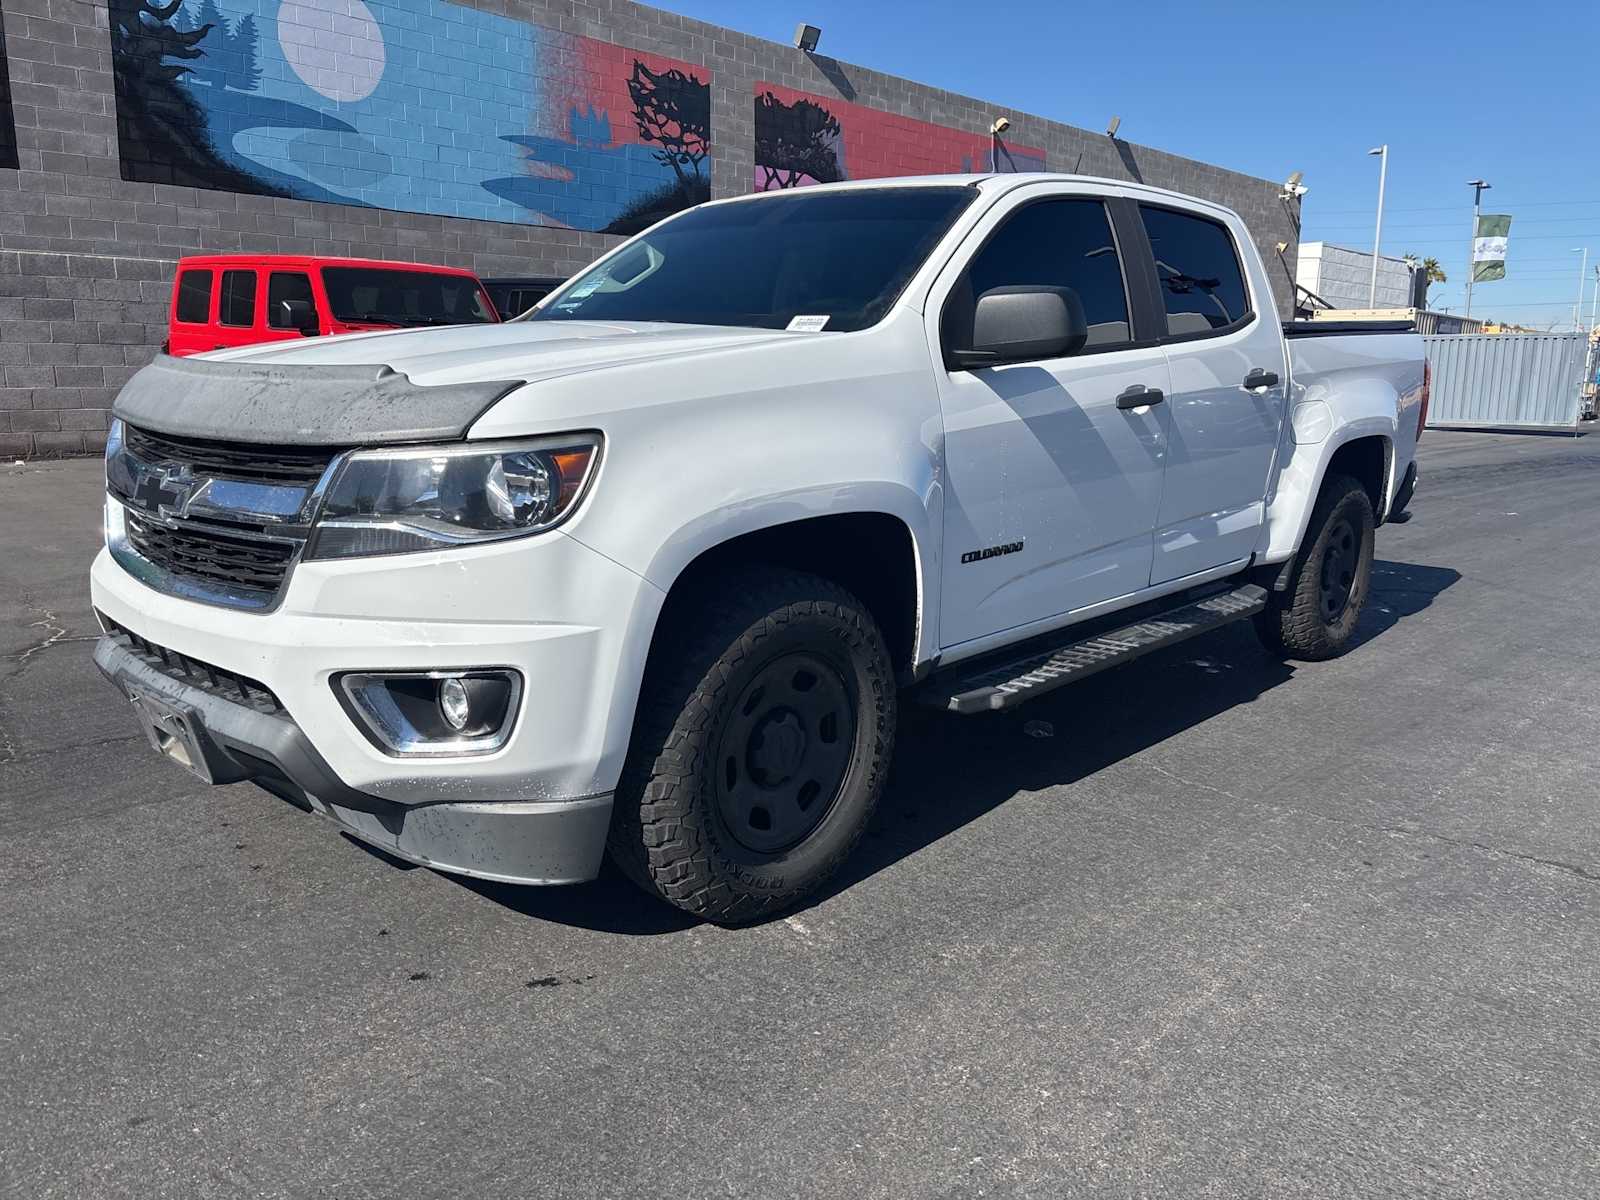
{"x":1343,"y":277}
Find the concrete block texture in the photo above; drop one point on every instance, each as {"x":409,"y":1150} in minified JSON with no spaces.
{"x":98,"y":209}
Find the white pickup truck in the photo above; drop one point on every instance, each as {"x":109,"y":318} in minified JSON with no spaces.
{"x":653,"y":567}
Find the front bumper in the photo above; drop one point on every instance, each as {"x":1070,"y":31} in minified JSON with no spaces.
{"x":228,"y":740}
{"x":574,"y":624}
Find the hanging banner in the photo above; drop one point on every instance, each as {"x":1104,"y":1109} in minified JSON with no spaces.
{"x":1489,"y":247}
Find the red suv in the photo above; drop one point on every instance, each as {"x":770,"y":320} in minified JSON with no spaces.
{"x":223,"y":300}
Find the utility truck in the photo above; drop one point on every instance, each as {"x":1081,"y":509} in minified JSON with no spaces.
{"x":653,"y":568}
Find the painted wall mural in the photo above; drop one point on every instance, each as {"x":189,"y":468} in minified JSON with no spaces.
{"x":802,"y":138}
{"x":417,"y":105}
{"x":8,"y":125}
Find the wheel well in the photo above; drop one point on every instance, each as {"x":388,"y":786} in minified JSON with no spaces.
{"x":869,"y":554}
{"x":1366,"y":460}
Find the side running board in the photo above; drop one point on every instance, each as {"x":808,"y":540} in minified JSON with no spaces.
{"x":992,"y":688}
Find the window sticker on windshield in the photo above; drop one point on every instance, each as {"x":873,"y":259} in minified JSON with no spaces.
{"x":804,"y":324}
{"x":586,"y":289}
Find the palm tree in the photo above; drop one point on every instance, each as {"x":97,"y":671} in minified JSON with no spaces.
{"x":1431,"y":268}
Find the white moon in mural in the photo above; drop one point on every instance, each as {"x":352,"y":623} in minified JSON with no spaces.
{"x":335,"y":46}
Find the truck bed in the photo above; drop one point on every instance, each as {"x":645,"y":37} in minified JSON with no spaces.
{"x":1359,"y":375}
{"x":1305,"y":329}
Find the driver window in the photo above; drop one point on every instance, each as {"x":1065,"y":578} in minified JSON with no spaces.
{"x":1053,"y":243}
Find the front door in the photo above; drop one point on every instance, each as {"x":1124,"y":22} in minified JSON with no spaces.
{"x":1052,"y":488}
{"x":1227,"y":394}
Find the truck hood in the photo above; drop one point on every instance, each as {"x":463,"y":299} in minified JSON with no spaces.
{"x":402,"y":386}
{"x":525,"y":351}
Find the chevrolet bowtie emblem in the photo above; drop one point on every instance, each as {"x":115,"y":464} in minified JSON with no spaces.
{"x":165,"y":490}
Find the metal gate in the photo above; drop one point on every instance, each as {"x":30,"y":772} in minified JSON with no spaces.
{"x":1506,"y":380}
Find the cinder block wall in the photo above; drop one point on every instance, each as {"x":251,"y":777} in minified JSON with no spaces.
{"x":86,"y":257}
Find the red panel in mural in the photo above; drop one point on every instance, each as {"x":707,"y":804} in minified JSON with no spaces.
{"x":803,"y":138}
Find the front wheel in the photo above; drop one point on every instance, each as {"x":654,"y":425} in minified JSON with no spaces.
{"x":1315,"y":616}
{"x":764,"y":732}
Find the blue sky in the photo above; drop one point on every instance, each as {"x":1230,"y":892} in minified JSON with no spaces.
{"x":1509,"y":93}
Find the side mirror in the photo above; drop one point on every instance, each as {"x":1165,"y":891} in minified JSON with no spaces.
{"x":1013,"y":324}
{"x":301,"y":315}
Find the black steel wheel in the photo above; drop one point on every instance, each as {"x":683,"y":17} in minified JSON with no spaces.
{"x":763,"y":736}
{"x":1315,"y":615}
{"x":1341,"y":559}
{"x":783,"y":752}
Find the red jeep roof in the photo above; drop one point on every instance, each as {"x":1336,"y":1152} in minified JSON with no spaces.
{"x":313,"y":260}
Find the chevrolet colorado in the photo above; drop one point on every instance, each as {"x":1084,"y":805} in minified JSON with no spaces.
{"x":653,"y":567}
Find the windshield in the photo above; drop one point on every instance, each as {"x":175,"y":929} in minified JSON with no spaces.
{"x":827,"y":260}
{"x":387,"y":297}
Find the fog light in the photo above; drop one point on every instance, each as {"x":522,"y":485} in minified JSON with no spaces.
{"x":453,"y":702}
{"x":432,"y":712}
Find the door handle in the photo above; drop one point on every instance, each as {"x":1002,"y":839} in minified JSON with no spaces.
{"x":1138,"y":396}
{"x":1259,"y":378}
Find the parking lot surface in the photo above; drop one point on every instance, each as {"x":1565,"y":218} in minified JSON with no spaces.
{"x":1208,"y":924}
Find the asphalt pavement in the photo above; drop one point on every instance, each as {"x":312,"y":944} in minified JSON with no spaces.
{"x":1206,"y":925}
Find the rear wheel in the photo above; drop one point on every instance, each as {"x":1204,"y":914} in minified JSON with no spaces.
{"x":1315,"y":616}
{"x":764,"y":732}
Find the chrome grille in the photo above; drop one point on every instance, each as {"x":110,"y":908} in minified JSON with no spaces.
{"x":205,"y":552}
{"x":299,"y":466}
{"x":219,"y":522}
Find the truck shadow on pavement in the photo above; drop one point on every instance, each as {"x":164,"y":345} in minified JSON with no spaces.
{"x":950,"y":770}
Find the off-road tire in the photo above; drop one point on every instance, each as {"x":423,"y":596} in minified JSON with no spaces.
{"x":1297,"y":622}
{"x":670,"y":833}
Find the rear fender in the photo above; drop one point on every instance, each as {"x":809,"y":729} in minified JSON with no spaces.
{"x":1316,"y":434}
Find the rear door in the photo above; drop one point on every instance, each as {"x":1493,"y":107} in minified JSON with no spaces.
{"x":239,"y":308}
{"x":1224,"y":349}
{"x":1052,"y":488}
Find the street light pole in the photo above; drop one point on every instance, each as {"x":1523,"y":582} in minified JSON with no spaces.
{"x":1478,"y":187}
{"x":1583,"y":273}
{"x":1377,"y":234}
{"x":1589,"y":343}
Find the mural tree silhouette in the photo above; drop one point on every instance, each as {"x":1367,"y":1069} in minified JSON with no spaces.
{"x":242,"y":69}
{"x":672,"y":110}
{"x":794,"y":141}
{"x":161,"y":130}
{"x":213,"y":43}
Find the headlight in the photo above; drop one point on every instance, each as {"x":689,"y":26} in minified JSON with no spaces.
{"x":116,"y":472}
{"x":436,"y":497}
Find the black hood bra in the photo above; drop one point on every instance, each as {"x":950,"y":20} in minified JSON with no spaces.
{"x":300,"y":405}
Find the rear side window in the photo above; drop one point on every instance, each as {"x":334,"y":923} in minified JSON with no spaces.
{"x":238,"y":304}
{"x":281,"y":286}
{"x":1052,"y":243}
{"x":194,"y":297}
{"x":1202,"y":285}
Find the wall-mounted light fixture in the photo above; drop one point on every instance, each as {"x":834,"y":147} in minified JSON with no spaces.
{"x":1111,"y":129}
{"x":806,"y":37}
